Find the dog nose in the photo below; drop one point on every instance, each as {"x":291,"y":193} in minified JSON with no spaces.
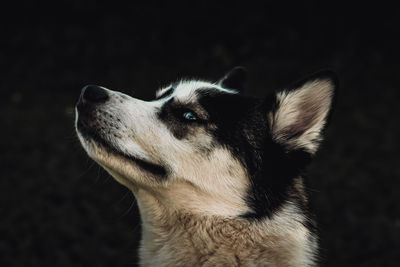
{"x":94,"y":94}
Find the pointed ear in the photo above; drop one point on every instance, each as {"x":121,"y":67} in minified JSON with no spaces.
{"x":299,"y":114}
{"x":235,"y":79}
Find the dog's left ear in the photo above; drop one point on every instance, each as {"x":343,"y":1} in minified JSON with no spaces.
{"x":235,"y":79}
{"x":298,"y":115}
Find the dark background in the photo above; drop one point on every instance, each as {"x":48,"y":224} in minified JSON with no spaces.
{"x":57,"y":208}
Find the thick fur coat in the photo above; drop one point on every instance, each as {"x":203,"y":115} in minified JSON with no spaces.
{"x":217,"y":175}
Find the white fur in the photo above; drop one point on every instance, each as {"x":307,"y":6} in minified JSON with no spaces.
{"x":192,"y":218}
{"x":185,"y":91}
{"x":309,"y":103}
{"x":219,"y":176}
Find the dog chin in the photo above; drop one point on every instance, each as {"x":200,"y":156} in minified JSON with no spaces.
{"x":105,"y":153}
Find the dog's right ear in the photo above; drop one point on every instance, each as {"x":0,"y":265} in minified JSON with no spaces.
{"x":299,"y":114}
{"x":235,"y":79}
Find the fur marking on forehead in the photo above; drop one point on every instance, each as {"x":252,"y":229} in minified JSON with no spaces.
{"x":185,"y":90}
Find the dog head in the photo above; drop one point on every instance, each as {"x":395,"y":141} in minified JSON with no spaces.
{"x":202,"y":145}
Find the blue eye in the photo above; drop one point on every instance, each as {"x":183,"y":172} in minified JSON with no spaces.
{"x":189,"y":116}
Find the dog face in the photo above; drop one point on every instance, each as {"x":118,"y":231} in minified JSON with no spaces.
{"x":204,"y":143}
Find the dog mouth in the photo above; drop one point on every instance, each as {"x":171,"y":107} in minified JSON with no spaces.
{"x":87,"y":128}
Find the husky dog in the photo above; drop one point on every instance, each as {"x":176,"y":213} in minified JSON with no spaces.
{"x":217,"y":175}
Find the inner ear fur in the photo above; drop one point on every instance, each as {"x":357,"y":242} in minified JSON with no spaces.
{"x":300,"y":113}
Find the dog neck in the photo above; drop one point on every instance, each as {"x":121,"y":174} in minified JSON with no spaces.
{"x":158,"y":204}
{"x":190,"y":235}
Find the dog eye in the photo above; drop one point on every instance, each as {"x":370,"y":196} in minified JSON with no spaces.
{"x":189,"y":116}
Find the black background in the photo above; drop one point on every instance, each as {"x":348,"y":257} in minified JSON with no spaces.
{"x":57,"y":208}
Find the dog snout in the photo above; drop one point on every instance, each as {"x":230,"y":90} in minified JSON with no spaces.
{"x":88,"y":106}
{"x":93,"y":94}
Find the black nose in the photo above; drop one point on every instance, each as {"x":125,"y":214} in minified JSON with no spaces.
{"x":94,"y":94}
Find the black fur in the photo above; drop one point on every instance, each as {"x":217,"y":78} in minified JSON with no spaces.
{"x":242,"y":126}
{"x":322,"y":74}
{"x":171,"y":114}
{"x":235,"y":79}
